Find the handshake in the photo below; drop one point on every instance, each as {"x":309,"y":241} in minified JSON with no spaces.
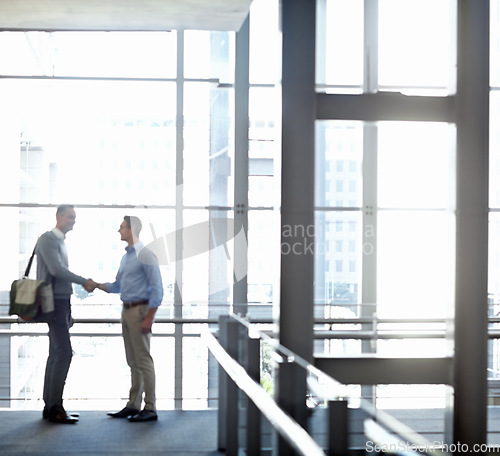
{"x":90,"y":286}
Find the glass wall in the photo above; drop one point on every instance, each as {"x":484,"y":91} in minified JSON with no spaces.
{"x":385,"y":190}
{"x":139,"y":124}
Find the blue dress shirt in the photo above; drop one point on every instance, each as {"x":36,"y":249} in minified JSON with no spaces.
{"x":138,"y":277}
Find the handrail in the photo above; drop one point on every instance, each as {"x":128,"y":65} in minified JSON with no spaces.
{"x":413,"y":438}
{"x":295,"y":435}
{"x":385,"y":334}
{"x":317,"y":321}
{"x":394,"y":425}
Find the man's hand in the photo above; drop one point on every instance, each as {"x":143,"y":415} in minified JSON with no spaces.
{"x":90,"y":285}
{"x":146,"y":326}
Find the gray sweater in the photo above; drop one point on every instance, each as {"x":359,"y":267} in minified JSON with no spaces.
{"x":52,"y":265}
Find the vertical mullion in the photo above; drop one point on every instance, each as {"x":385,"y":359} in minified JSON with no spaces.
{"x":179,"y":207}
{"x":369,"y":238}
{"x":370,"y":80}
{"x":321,"y":24}
{"x":369,"y":279}
{"x":241,"y":120}
{"x":370,"y":211}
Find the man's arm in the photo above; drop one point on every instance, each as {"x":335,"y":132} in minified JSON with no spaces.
{"x":112,"y":287}
{"x":147,"y":324}
{"x":48,"y":249}
{"x":153,"y":277}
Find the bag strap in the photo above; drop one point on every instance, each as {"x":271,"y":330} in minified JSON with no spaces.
{"x":28,"y":267}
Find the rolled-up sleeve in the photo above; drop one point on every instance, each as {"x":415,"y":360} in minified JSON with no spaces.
{"x":154,"y":281}
{"x":153,"y":276}
{"x":114,"y":287}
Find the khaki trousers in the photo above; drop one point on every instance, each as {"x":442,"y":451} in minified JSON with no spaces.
{"x":137,"y":351}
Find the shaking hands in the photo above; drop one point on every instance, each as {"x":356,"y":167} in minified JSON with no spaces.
{"x":90,"y":286}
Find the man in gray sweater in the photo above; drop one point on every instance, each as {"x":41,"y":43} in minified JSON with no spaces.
{"x":52,"y":267}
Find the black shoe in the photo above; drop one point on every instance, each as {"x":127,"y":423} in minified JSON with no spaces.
{"x":144,"y":415}
{"x":45,"y":414}
{"x":57,"y":414}
{"x":124,"y":413}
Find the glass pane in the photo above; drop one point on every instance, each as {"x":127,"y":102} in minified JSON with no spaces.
{"x":90,"y":354}
{"x":265,"y":42}
{"x":494,"y":263}
{"x":338,"y":247}
{"x":207,"y":266}
{"x":98,"y":259}
{"x":263,"y":256}
{"x":194,"y":373}
{"x":340,"y":43}
{"x":494,"y":181}
{"x":416,"y":165}
{"x":208,"y":145}
{"x":415,"y":257}
{"x":104,"y":142}
{"x":264,"y":153}
{"x":89,"y":54}
{"x":195,"y":281}
{"x":399,"y":398}
{"x":339,"y":155}
{"x":495,"y":43}
{"x":209,"y":55}
{"x":416,"y":44}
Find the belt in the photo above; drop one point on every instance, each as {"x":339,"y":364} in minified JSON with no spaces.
{"x":129,"y":305}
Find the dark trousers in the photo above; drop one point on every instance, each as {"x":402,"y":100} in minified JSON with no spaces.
{"x":60,"y":354}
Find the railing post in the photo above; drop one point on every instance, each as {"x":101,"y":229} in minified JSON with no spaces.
{"x":253,"y":413}
{"x":289,"y":384}
{"x":227,"y":437}
{"x":338,"y":428}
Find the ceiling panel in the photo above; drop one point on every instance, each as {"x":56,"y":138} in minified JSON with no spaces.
{"x":108,"y":15}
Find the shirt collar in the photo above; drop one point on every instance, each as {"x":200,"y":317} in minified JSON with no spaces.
{"x":138,"y":246}
{"x":59,"y":234}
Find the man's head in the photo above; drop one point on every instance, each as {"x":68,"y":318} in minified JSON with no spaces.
{"x":65,"y":217}
{"x":130,"y":229}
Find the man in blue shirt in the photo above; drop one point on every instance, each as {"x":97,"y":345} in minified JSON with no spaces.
{"x":140,"y":285}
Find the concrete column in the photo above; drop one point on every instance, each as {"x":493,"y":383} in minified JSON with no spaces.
{"x":297,"y":201}
{"x":471,"y":316}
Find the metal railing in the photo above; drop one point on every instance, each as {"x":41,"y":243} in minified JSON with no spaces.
{"x":236,"y":374}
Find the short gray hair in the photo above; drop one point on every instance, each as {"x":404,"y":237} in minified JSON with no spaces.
{"x":61,"y":209}
{"x":134,"y":223}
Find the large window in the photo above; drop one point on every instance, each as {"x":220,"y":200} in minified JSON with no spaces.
{"x":139,"y":124}
{"x":385,"y":189}
{"x":386,"y":45}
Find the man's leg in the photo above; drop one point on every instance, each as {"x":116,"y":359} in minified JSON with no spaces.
{"x":129,"y":328}
{"x":60,"y":354}
{"x":146,"y":364}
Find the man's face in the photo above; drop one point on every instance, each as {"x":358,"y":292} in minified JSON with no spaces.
{"x":125,"y":232}
{"x":66,"y":220}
